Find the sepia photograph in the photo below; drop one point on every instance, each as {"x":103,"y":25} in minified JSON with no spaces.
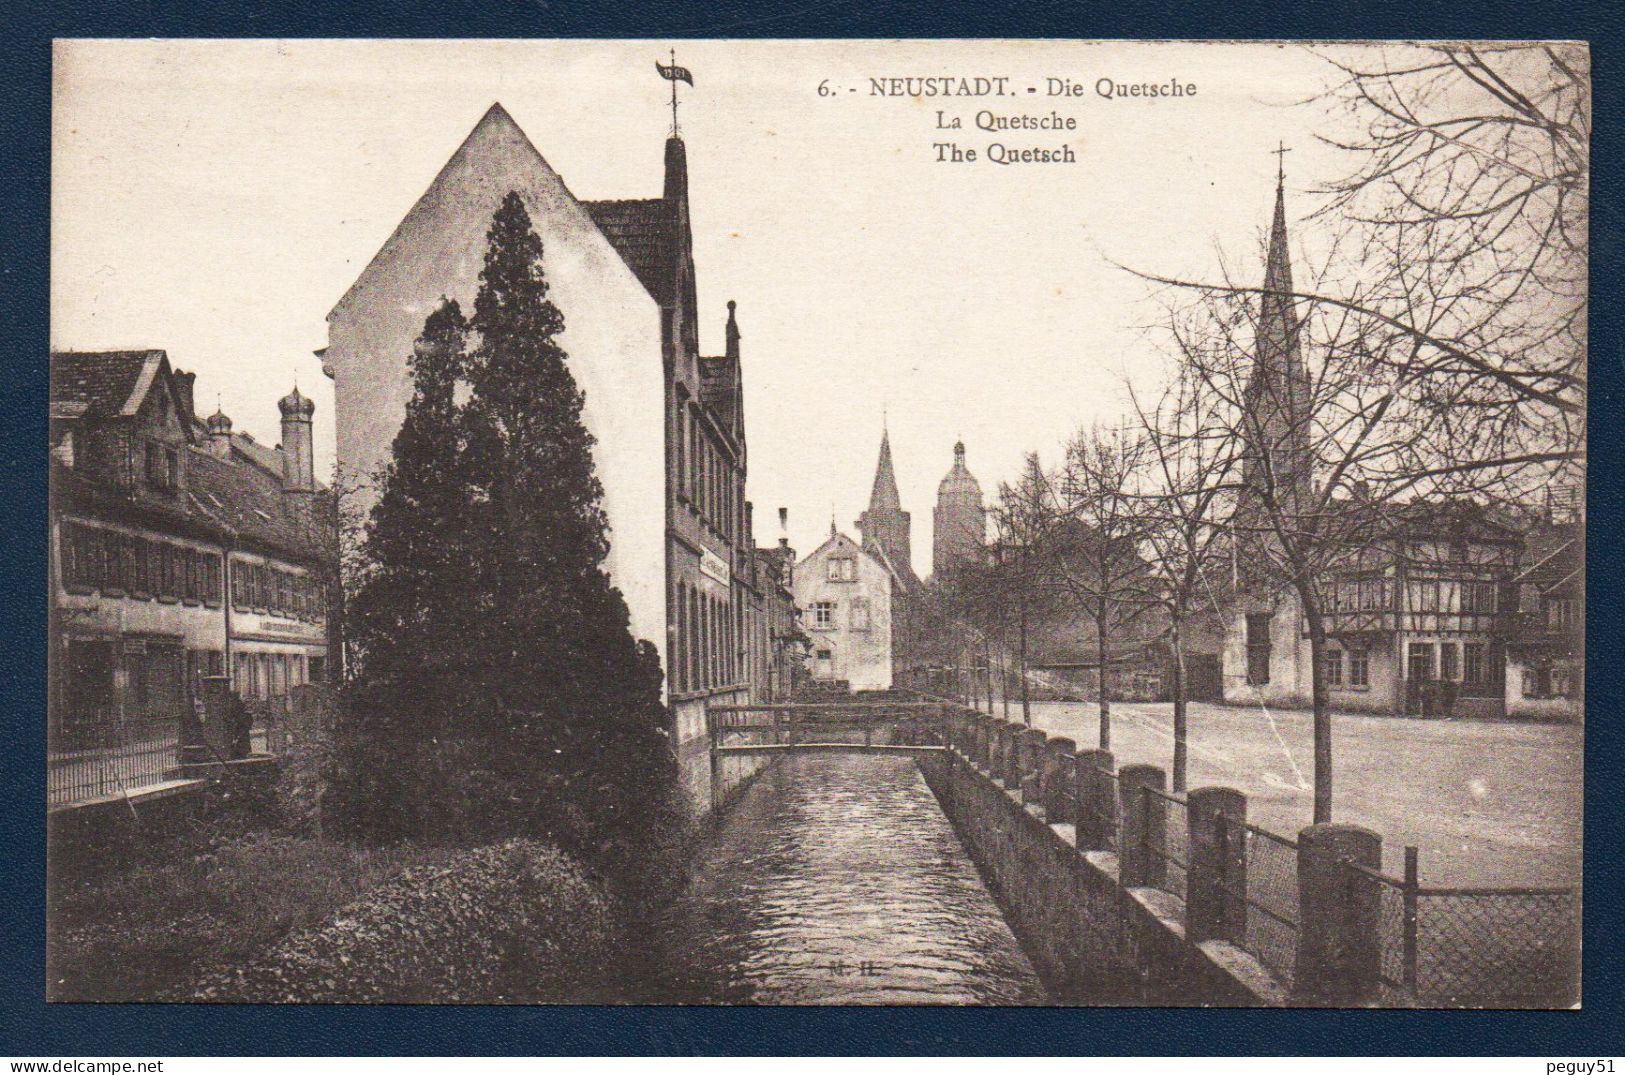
{"x":790,"y":522}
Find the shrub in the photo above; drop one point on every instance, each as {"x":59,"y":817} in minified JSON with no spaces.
{"x":517,"y":921}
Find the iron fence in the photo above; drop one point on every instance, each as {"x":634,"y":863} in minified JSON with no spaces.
{"x":110,"y":755}
{"x":1174,"y":849}
{"x":1271,"y":896}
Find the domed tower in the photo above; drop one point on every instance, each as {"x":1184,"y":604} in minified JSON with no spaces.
{"x":298,"y":462}
{"x":960,"y":520}
{"x":219,"y":427}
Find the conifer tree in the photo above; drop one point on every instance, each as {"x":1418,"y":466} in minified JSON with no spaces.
{"x":500,"y":677}
{"x":410,"y":607}
{"x":574,"y":693}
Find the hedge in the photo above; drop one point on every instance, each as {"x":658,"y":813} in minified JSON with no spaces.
{"x":514,"y":922}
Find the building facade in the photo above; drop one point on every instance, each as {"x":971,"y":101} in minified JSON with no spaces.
{"x":179,"y":550}
{"x":668,"y":422}
{"x":1545,"y":676}
{"x":959,"y":523}
{"x":844,"y":593}
{"x":1415,"y":608}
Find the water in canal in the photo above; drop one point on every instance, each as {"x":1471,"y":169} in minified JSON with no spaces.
{"x":836,"y":879}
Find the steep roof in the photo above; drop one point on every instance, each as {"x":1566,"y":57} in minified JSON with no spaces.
{"x":883,"y":496}
{"x":644,"y":232}
{"x":101,"y":384}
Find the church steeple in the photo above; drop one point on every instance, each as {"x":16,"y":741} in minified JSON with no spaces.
{"x":885,"y":524}
{"x":1278,"y":462}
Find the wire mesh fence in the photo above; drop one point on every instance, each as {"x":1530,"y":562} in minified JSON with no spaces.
{"x":1173,"y":849}
{"x":1272,"y":899}
{"x":1507,"y":947}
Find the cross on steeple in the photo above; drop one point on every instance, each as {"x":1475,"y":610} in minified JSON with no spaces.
{"x":1280,"y":157}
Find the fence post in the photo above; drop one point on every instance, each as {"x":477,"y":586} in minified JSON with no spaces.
{"x":1339,"y":939}
{"x":1033,"y":749}
{"x":1012,"y":755}
{"x":983,"y":730}
{"x":1097,"y":804}
{"x":1413,"y":882}
{"x":1059,"y":782}
{"x":1140,"y":861}
{"x":1216,"y":879}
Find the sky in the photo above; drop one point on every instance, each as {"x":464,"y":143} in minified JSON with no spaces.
{"x":216,"y":198}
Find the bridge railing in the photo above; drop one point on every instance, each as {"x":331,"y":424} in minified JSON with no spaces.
{"x":833,"y":724}
{"x":1315,"y":911}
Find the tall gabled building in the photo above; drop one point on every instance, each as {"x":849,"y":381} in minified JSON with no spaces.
{"x":668,"y":423}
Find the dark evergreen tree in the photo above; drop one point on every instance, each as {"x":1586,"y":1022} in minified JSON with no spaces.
{"x":413,"y":602}
{"x":501,"y":689}
{"x":568,"y":685}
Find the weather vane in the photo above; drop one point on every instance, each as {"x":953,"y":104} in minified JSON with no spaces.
{"x":673,"y":74}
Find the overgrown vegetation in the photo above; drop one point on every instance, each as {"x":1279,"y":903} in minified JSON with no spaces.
{"x":516,"y":922}
{"x":192,"y":903}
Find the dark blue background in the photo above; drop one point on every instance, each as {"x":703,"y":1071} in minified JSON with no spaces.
{"x":28,"y":1026}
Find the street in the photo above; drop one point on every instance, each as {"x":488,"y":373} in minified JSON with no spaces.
{"x":1486,"y":803}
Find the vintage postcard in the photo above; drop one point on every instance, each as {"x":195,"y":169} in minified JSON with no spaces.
{"x":818,"y":522}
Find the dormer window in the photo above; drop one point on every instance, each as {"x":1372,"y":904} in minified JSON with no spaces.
{"x":163,"y":466}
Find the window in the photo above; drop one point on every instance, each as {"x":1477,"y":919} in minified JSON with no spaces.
{"x":1421,"y":661}
{"x":1561,"y":612}
{"x":1447,"y":661}
{"x":1258,"y":648}
{"x":842,"y":569}
{"x":211,"y":579}
{"x":155,"y":466}
{"x":1333,"y":660}
{"x":824,"y":614}
{"x":1478,"y":598}
{"x":860,"y":614}
{"x":172,"y":468}
{"x":1562,"y":682}
{"x":1474,"y":666}
{"x":1359,"y":668}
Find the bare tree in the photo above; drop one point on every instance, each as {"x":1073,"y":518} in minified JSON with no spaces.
{"x":1024,"y":520}
{"x":1094,"y":547}
{"x":1191,"y":458}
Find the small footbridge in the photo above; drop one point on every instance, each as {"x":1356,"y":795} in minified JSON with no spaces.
{"x":857,"y":726}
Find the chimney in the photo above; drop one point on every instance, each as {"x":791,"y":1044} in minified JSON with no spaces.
{"x":183,"y":387}
{"x":219,"y":435}
{"x":298,"y":463}
{"x":676,"y":170}
{"x":784,"y":528}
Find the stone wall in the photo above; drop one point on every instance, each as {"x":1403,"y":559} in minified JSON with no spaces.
{"x":1093,"y":938}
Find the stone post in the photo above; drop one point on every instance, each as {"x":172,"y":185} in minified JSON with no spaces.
{"x":1012,"y":755}
{"x":1034,"y":745}
{"x":1097,"y":801}
{"x":1216,"y":879}
{"x":983,"y":729}
{"x":1059,"y":782}
{"x":1140,"y":861}
{"x":1339,"y":909}
{"x":998,"y":740}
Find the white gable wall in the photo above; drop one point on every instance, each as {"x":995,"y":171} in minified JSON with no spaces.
{"x":612,"y":337}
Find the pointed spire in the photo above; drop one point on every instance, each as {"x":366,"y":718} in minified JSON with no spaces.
{"x":1278,"y":317}
{"x":884,"y":496}
{"x":732,"y":333}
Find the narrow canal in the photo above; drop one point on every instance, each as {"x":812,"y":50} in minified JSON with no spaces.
{"x":836,"y":879}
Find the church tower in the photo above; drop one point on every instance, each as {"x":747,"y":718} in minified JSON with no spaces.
{"x":885,"y":525}
{"x":1276,"y":467}
{"x":960,"y":521}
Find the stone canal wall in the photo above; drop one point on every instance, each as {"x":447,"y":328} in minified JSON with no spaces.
{"x":1094,"y":929}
